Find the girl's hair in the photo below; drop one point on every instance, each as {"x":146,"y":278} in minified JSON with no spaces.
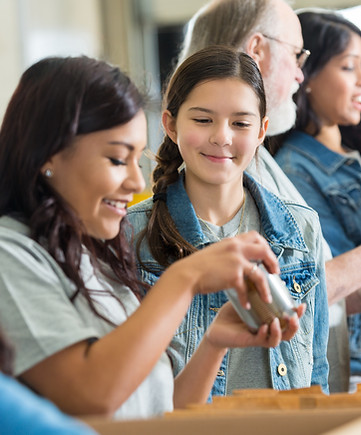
{"x":56,"y":100}
{"x":211,"y":63}
{"x":326,"y":35}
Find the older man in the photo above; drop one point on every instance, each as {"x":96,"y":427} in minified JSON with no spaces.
{"x":270,"y":32}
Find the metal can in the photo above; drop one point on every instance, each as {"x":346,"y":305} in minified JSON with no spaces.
{"x":282,"y":305}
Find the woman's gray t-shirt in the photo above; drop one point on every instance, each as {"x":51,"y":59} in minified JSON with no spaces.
{"x":39,"y":318}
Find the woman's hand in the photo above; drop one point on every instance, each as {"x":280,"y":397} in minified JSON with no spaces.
{"x":227,"y":263}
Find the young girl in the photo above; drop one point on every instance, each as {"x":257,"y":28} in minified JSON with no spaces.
{"x":316,"y":155}
{"x":214,"y":119}
{"x":70,"y":145}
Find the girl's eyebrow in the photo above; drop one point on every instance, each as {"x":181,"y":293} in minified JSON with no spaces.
{"x":203,"y":109}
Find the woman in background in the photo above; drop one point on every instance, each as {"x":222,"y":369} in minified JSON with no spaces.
{"x":314,"y":155}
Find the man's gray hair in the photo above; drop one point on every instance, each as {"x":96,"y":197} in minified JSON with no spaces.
{"x":228,"y":22}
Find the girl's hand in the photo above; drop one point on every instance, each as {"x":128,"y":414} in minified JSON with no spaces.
{"x":229,"y":331}
{"x":226,"y":264}
{"x":293,"y":323}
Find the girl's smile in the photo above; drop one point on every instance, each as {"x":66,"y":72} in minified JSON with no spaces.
{"x":218,"y":129}
{"x":217,"y":159}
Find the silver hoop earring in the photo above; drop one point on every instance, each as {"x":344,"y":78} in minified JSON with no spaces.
{"x":48,"y":173}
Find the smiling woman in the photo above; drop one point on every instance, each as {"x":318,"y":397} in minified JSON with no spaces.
{"x":102,"y":174}
{"x":70,"y":145}
{"x":319,"y":160}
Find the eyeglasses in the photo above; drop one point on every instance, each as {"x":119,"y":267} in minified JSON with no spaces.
{"x":301,"y":57}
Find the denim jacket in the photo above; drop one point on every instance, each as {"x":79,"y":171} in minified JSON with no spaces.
{"x":297,"y":363}
{"x":331,"y":184}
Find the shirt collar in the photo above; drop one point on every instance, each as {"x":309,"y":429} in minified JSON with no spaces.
{"x":327,"y":160}
{"x":14,"y":224}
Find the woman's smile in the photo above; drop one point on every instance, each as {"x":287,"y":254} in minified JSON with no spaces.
{"x":117,"y":206}
{"x":102,"y":174}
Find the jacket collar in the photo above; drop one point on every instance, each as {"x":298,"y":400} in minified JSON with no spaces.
{"x":328,"y":161}
{"x":278,"y":224}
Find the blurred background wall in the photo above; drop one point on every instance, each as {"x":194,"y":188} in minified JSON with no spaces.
{"x":141,"y":36}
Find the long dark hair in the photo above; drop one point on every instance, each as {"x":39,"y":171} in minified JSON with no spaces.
{"x":57,"y":99}
{"x":351,"y":136}
{"x":210,"y":63}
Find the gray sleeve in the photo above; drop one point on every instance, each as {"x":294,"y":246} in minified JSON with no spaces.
{"x":35,"y":310}
{"x":269,"y":174}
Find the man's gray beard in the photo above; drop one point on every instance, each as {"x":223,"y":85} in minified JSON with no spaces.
{"x":281,"y":118}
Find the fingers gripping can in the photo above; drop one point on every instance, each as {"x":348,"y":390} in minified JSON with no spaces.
{"x":282,"y":305}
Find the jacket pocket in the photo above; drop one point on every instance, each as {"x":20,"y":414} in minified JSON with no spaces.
{"x":301,"y":281}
